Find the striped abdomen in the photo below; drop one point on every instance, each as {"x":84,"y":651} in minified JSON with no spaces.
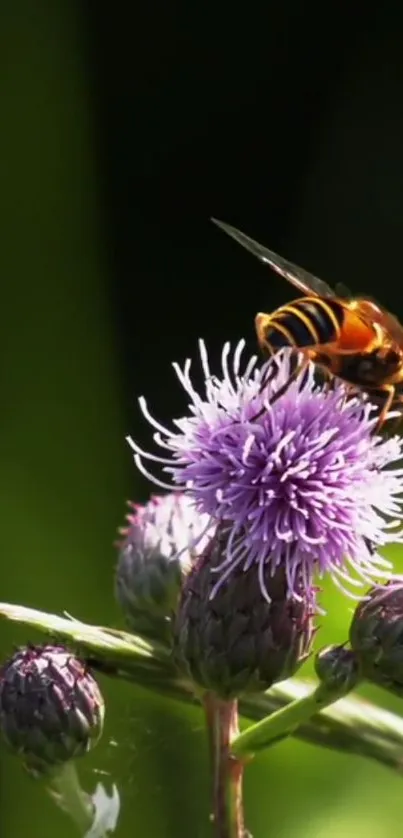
{"x":308,"y":321}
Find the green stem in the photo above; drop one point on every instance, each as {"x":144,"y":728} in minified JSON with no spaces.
{"x":65,"y":789}
{"x":227,"y":771}
{"x":285,"y":721}
{"x":351,"y":726}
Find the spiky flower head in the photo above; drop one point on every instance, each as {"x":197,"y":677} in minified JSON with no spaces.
{"x":51,"y":708}
{"x":376,"y":635}
{"x":162,"y":540}
{"x":236,"y":642}
{"x":338,"y":669}
{"x":301,"y":480}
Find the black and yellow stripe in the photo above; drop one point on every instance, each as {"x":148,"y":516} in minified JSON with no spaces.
{"x":308,"y":321}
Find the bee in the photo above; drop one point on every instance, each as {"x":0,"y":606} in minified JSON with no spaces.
{"x":348,"y":336}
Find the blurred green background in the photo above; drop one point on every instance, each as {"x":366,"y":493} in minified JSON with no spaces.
{"x":123,"y":130}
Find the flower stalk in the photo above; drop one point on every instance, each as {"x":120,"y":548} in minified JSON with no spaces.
{"x":339,"y":674}
{"x":64,"y":788}
{"x":281,"y":723}
{"x":227,"y":770}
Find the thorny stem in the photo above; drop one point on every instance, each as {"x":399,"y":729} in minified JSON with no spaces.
{"x":227,"y":770}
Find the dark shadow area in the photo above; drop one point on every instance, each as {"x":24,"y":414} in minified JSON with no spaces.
{"x":204,"y":113}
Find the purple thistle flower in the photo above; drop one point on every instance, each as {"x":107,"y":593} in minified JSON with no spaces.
{"x":298,"y":481}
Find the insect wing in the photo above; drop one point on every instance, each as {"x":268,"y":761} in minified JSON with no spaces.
{"x":300,"y":278}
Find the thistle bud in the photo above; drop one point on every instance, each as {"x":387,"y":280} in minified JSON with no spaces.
{"x":233,"y":640}
{"x":376,"y":635}
{"x":162,"y":540}
{"x":337,"y":668}
{"x":51,"y":708}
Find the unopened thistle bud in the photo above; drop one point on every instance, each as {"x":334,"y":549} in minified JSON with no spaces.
{"x":337,"y":668}
{"x":161,"y":542}
{"x":233,"y":640}
{"x":376,"y":635}
{"x":51,"y":708}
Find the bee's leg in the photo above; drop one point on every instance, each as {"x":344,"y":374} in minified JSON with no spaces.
{"x":299,"y":370}
{"x":271,"y":372}
{"x":351,"y":390}
{"x":389,"y":391}
{"x":328,"y":377}
{"x":395,"y":401}
{"x":269,"y":375}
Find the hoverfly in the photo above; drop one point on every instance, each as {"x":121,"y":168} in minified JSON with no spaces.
{"x":350,"y":337}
